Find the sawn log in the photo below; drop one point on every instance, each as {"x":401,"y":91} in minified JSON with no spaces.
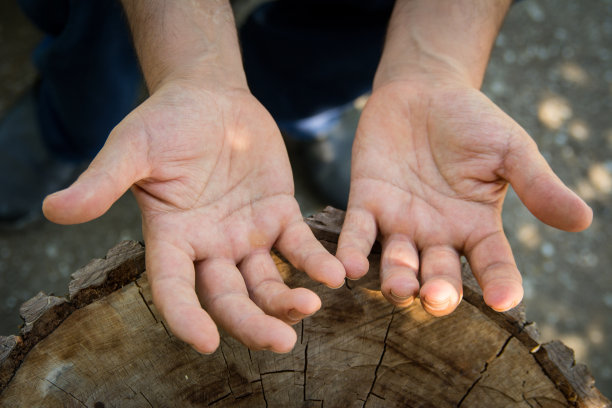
{"x":105,"y":345}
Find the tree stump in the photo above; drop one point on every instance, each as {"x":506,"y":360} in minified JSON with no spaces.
{"x":105,"y":345}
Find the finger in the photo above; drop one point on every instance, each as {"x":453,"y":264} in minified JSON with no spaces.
{"x":117,"y":166}
{"x":267,"y":289}
{"x":172,"y":278}
{"x":299,"y":245}
{"x":355,"y":243}
{"x":223,"y":293}
{"x":542,"y":192}
{"x":441,"y":288}
{"x":494,"y":267}
{"x":399,"y":266}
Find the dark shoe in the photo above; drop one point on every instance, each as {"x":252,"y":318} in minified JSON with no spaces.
{"x":324,"y":143}
{"x":28,"y":171}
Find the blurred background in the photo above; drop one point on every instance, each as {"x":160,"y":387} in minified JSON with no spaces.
{"x":551,"y":70}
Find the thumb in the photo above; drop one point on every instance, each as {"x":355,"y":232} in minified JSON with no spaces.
{"x":119,"y":164}
{"x":541,"y":191}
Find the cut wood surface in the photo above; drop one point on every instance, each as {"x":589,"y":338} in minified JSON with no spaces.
{"x":105,"y":345}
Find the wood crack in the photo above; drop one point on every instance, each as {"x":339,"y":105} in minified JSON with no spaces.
{"x":229,"y":385}
{"x":263,"y":391}
{"x":469,"y":390}
{"x":66,"y":392}
{"x":502,"y":349}
{"x":221,"y":398}
{"x":382,"y":355}
{"x":146,"y":399}
{"x":484,"y":370}
{"x":302,"y":332}
{"x":144,"y":300}
{"x":305,"y":368}
{"x":277,"y":372}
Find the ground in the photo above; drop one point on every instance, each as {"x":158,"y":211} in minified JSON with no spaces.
{"x":551,"y":70}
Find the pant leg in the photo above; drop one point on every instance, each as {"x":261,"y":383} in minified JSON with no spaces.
{"x":89,"y":75}
{"x":302,"y":57}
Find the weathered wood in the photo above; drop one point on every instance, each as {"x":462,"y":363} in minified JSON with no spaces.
{"x":113,"y":349}
{"x":42,"y":314}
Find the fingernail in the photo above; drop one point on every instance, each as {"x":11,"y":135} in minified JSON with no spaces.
{"x":295,"y":315}
{"x":510,"y":305}
{"x":400,"y":299}
{"x":335,"y":287}
{"x":437,"y":305}
{"x":206,"y":353}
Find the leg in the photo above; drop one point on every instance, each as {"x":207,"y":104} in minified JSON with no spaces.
{"x":89,"y":80}
{"x":89,"y":74}
{"x":307,"y":61}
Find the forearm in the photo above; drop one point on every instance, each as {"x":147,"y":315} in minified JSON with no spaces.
{"x":447,"y":38}
{"x":192,"y":40}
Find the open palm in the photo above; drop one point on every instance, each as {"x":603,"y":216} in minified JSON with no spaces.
{"x":211,"y":175}
{"x":431,"y":167}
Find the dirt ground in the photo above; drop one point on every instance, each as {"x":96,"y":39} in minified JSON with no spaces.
{"x":551,"y":70}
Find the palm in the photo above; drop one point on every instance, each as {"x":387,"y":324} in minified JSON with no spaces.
{"x":214,"y":185}
{"x":430,"y":175}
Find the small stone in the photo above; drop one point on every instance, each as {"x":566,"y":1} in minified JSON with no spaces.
{"x":579,"y":130}
{"x":535,"y":12}
{"x":548,"y":250}
{"x":600,"y":178}
{"x":589,"y":259}
{"x":596,"y":336}
{"x":529,"y":235}
{"x":51,"y":251}
{"x":567,"y":152}
{"x":574,"y":73}
{"x":561,"y":138}
{"x":553,"y":111}
{"x":509,"y":56}
{"x":585,"y":190}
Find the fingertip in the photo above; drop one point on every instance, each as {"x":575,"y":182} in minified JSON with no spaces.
{"x":330,"y":271}
{"x":582,"y":217}
{"x":305,"y":303}
{"x":76,"y":204}
{"x":400,"y":290}
{"x":194,"y":326}
{"x":286,"y":343}
{"x":356,"y":265}
{"x":278,"y":337}
{"x":207,"y":344}
{"x":550,"y":200}
{"x":503,"y":296}
{"x":439,"y":297}
{"x":49,"y":207}
{"x":299,"y":245}
{"x":564,"y":209}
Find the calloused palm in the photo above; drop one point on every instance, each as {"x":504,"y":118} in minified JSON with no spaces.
{"x":431,"y":167}
{"x":211,"y":175}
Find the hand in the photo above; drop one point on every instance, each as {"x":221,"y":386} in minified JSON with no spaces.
{"x":431,"y":166}
{"x":211,"y":175}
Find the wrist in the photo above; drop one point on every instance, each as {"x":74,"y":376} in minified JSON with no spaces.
{"x":422,"y":69}
{"x":443,"y":40}
{"x":209,"y":76}
{"x":185,"y":41}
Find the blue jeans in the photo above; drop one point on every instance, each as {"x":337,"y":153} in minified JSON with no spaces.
{"x":89,"y":75}
{"x":301,"y":57}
